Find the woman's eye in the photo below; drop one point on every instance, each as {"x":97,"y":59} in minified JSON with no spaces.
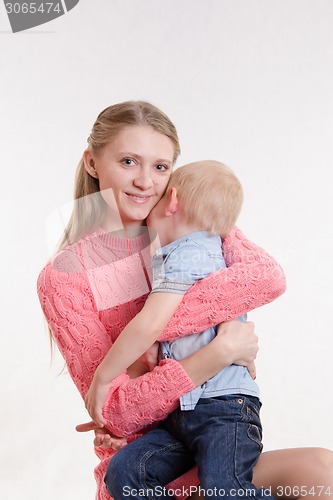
{"x":128,"y":161}
{"x":161,"y":168}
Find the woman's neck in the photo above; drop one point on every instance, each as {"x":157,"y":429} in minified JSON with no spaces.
{"x":130,"y":231}
{"x":112,"y":225}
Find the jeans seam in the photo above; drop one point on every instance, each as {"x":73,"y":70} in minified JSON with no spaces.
{"x":147,"y":456}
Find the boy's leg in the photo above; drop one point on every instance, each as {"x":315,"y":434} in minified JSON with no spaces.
{"x":142,"y":468}
{"x":224,"y":435}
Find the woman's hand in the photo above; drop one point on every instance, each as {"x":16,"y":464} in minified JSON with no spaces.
{"x":235,"y":343}
{"x":252,"y":370}
{"x":103,"y":437}
{"x":239,"y":343}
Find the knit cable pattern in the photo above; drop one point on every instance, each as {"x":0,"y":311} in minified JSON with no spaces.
{"x":92,"y":289}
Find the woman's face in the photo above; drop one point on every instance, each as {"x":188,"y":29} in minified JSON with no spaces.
{"x":136,"y":164}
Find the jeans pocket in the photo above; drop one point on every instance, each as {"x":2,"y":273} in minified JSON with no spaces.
{"x":254,"y":432}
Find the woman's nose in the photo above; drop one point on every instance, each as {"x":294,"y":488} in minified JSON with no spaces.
{"x":144,"y":180}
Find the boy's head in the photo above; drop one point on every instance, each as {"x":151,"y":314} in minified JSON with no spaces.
{"x":204,"y":195}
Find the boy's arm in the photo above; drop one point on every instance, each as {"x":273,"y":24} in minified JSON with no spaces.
{"x":140,"y":333}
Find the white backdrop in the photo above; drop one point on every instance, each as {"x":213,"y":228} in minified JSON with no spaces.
{"x":247,"y":82}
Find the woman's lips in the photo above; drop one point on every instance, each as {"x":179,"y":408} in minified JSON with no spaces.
{"x":138,"y":198}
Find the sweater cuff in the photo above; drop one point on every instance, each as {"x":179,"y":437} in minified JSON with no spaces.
{"x":133,"y":404}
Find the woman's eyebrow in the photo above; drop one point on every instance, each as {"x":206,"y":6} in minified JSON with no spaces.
{"x":139,"y":157}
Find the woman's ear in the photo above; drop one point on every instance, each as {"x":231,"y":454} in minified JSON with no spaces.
{"x":89,"y":163}
{"x":172,"y":203}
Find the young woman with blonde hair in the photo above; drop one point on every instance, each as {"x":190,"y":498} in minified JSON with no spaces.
{"x":99,"y":281}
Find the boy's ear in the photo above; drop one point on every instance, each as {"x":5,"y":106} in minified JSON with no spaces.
{"x":172,"y":204}
{"x":89,"y":163}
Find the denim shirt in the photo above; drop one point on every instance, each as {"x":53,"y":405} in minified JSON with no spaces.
{"x":176,"y":267}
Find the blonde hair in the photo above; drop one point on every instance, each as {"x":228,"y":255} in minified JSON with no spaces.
{"x":88,"y":203}
{"x":210,"y":195}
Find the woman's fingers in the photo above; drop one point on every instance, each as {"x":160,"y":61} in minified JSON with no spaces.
{"x":98,"y":440}
{"x":103,"y":437}
{"x":87,"y":427}
{"x":118,"y":443}
{"x":109,"y":441}
{"x":240,"y":340}
{"x":252,"y":370}
{"x":102,"y":440}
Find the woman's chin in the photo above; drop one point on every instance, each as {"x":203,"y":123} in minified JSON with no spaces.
{"x":136,"y":219}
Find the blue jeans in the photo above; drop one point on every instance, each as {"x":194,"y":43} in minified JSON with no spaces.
{"x":222,"y":435}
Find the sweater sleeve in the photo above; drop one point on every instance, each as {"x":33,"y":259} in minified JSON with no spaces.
{"x":252,"y":278}
{"x":83,"y":341}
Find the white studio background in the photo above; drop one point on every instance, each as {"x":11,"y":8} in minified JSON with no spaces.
{"x":247,"y":82}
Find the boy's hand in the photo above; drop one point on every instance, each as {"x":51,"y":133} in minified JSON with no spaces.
{"x":95,"y":400}
{"x":103,"y":437}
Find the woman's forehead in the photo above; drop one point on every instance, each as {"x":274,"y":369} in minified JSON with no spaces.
{"x":142,"y":140}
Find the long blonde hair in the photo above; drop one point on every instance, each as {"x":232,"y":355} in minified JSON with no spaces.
{"x":88,"y":210}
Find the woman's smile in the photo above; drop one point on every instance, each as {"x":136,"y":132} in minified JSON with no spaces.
{"x":137,"y":198}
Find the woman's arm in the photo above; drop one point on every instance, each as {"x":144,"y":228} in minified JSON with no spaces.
{"x":69,"y":308}
{"x":253,"y":278}
{"x":70,"y":311}
{"x":235,"y":343}
{"x":137,"y":336}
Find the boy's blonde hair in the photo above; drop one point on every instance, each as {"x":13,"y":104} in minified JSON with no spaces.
{"x":210,"y":195}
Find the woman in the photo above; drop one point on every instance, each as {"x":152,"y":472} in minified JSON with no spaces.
{"x":99,"y":280}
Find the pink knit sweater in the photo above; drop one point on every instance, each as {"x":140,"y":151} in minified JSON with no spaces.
{"x":93,"y":288}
